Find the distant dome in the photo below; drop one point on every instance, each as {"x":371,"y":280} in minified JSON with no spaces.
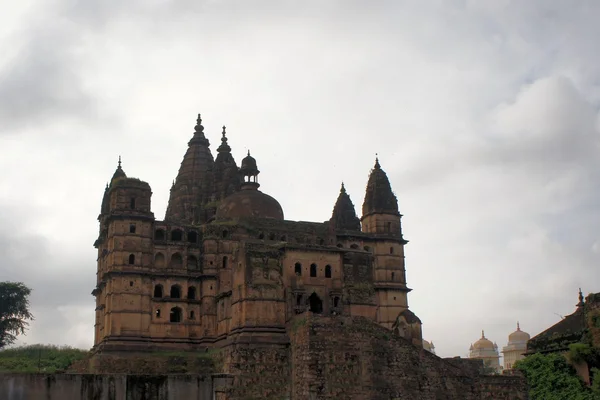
{"x":484,"y":343}
{"x":518,"y":336}
{"x":249,"y":203}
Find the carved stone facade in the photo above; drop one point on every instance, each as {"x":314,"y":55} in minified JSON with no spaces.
{"x":225,"y":265}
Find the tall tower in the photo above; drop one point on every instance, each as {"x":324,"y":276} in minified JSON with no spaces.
{"x":381,"y":219}
{"x":124,"y":250}
{"x":193,"y":187}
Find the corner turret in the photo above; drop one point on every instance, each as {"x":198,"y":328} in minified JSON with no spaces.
{"x":380,"y":208}
{"x":344,"y":216}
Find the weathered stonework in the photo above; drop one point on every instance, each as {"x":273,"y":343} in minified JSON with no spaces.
{"x":226,"y":271}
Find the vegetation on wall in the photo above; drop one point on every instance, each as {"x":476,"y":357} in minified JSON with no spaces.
{"x":14,"y":311}
{"x":550,"y":377}
{"x":39,"y":358}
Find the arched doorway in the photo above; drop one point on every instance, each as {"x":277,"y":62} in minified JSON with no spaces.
{"x":316,"y":305}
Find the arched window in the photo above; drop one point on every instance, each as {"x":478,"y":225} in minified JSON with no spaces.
{"x":176,"y":235}
{"x":367,"y":248}
{"x":393,"y":274}
{"x":175,"y":292}
{"x":192,"y":316}
{"x":175,"y":315}
{"x":321,"y":242}
{"x":313,"y":270}
{"x":389,"y":227}
{"x":340,"y":245}
{"x":283,"y":238}
{"x":225,"y":234}
{"x":158,"y":313}
{"x":192,"y":237}
{"x":192,"y":262}
{"x":159,"y":234}
{"x":354,"y":246}
{"x":328,"y":271}
{"x":299,"y":300}
{"x":336,"y":301}
{"x":132,"y":203}
{"x":298,"y":269}
{"x":176,"y":261}
{"x":132,"y":228}
{"x":224,"y":261}
{"x":261,"y":236}
{"x":131,"y":259}
{"x":158,"y":291}
{"x":191,"y":293}
{"x":271,"y":236}
{"x":159,"y":260}
{"x":391,"y":250}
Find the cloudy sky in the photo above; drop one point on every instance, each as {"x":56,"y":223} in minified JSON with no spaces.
{"x":485,"y":115}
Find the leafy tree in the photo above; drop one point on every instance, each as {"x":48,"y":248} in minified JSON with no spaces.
{"x":550,"y":377}
{"x":14,"y":311}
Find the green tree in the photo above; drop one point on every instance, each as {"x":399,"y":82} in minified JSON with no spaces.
{"x":14,"y":311}
{"x":550,"y":377}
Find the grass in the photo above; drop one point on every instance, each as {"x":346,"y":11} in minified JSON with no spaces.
{"x":39,"y":358}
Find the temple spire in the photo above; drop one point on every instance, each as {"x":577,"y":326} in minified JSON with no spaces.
{"x":119,"y":173}
{"x":344,"y":214}
{"x":199,"y":133}
{"x":224,"y":147}
{"x":482,"y":334}
{"x":194,"y":182}
{"x":379,"y":198}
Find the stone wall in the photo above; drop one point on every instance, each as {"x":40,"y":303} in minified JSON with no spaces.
{"x":355,"y":358}
{"x":258,"y":371}
{"x":105,"y":387}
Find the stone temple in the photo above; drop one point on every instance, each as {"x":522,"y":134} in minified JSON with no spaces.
{"x":300,"y":309}
{"x":224,"y":263}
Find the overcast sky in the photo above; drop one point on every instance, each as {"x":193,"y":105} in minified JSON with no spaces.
{"x":485,"y":116}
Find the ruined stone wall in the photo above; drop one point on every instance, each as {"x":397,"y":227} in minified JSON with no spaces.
{"x":355,"y":358}
{"x":258,"y":371}
{"x":503,"y":387}
{"x":104,"y":387}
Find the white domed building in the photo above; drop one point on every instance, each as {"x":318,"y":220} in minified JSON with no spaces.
{"x":487,"y":351}
{"x":516,"y":347}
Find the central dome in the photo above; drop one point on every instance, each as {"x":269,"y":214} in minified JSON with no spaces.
{"x":249,"y":202}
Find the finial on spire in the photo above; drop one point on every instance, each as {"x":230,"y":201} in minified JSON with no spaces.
{"x":482,"y":335}
{"x":223,"y":131}
{"x":518,"y":327}
{"x":199,"y":129}
{"x":119,"y":166}
{"x":248,"y":152}
{"x":581,"y":303}
{"x":343,"y":189}
{"x":377,"y":166}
